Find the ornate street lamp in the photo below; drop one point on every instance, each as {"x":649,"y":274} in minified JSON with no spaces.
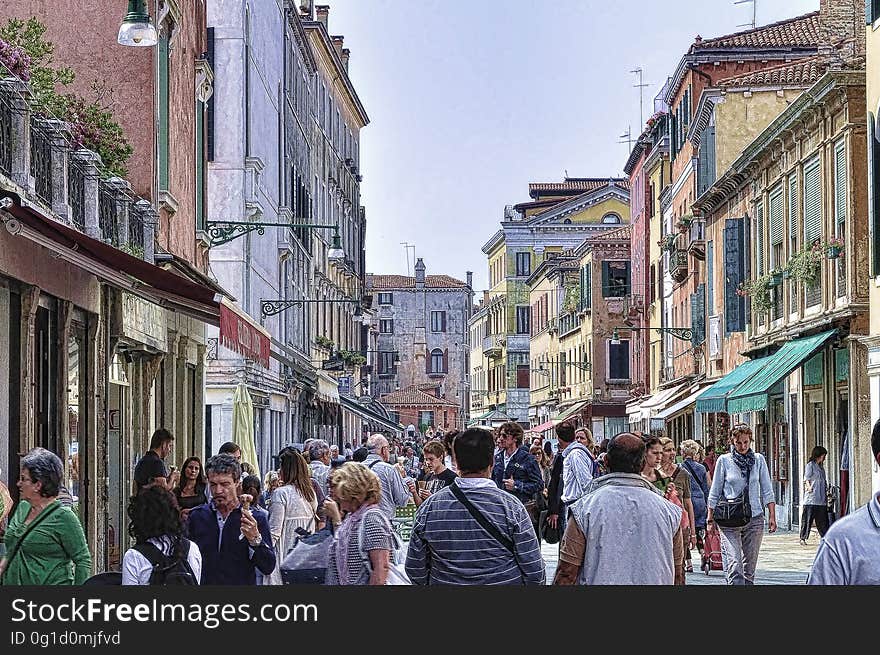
{"x":137,"y":29}
{"x":683,"y":333}
{"x":272,"y":307}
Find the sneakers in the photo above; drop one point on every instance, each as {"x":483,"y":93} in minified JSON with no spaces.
{"x":803,"y":542}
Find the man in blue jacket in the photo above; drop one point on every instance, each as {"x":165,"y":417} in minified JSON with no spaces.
{"x":515,"y":470}
{"x":234,"y":542}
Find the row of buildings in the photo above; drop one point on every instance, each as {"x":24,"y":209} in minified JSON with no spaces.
{"x":230,"y":256}
{"x":739,"y":287}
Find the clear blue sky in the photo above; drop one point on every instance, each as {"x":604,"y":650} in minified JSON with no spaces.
{"x":470,"y":101}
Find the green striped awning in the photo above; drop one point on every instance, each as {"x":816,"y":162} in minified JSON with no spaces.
{"x":751,"y":395}
{"x":714,"y":399}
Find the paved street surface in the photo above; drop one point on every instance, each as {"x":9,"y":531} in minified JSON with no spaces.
{"x":782,"y":560}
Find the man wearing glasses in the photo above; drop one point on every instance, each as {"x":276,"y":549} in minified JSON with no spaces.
{"x":515,"y":470}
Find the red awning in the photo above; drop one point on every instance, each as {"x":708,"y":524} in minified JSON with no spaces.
{"x":113,"y":266}
{"x":238,"y":332}
{"x":543,"y":427}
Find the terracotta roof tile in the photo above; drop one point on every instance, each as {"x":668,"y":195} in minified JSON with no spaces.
{"x":407,"y":282}
{"x":576,"y":185}
{"x":789,"y":33}
{"x":413,"y":396}
{"x":802,"y":72}
{"x":619,"y":234}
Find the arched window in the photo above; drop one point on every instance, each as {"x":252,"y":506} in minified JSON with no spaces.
{"x":611,"y":219}
{"x":437,"y":361}
{"x":567,"y":221}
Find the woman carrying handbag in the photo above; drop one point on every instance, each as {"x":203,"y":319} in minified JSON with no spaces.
{"x":741,"y":488}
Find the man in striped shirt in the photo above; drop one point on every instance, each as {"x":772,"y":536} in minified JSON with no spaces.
{"x":449,"y":544}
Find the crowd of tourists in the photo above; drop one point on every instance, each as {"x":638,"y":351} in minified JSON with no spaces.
{"x":629,"y":510}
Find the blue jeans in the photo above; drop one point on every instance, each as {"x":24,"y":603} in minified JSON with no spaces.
{"x":739,"y":551}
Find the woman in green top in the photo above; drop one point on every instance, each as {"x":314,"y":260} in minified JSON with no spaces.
{"x":45,"y":544}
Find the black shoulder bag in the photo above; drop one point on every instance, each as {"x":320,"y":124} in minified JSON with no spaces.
{"x":737,"y":512}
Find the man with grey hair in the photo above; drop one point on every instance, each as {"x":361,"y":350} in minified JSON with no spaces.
{"x":396,"y":490}
{"x":319,"y":463}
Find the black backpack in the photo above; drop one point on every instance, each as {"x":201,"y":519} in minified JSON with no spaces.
{"x":169,"y":569}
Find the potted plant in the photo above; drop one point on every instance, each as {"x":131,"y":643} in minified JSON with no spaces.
{"x":759,"y":291}
{"x":806,"y":266}
{"x":683,"y":223}
{"x":834,"y":246}
{"x":572,"y":298}
{"x":324,"y":342}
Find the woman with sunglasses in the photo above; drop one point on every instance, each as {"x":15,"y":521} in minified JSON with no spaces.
{"x":740,"y":546}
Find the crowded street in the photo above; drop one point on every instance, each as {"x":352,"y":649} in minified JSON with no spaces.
{"x":404,"y":294}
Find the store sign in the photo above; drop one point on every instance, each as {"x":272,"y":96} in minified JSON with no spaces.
{"x":144,"y":322}
{"x":239,"y":335}
{"x":345,"y":385}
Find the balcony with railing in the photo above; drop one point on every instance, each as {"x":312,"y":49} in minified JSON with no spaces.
{"x":569,"y":323}
{"x":697,"y":238}
{"x":40,"y":162}
{"x":492,"y":345}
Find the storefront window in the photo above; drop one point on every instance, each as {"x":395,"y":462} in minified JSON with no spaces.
{"x":77,"y":375}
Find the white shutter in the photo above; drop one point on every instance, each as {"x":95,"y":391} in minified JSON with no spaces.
{"x":776,"y":221}
{"x":812,"y":202}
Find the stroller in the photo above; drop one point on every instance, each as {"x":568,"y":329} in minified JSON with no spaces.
{"x":712,"y":552}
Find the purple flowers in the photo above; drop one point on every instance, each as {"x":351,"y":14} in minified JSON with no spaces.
{"x":14,"y":61}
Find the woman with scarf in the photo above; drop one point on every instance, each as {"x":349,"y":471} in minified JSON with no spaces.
{"x":740,"y":546}
{"x":361,"y":551}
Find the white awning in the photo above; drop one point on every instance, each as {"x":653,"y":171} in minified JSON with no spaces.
{"x":328,"y":388}
{"x":671,"y":412}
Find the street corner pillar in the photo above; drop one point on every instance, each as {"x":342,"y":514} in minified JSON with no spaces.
{"x":861,"y":459}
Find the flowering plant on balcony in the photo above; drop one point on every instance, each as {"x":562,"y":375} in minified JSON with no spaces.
{"x":14,"y":60}
{"x":572,"y":298}
{"x":352,"y":357}
{"x":92,"y":123}
{"x":759,"y":292}
{"x":834,"y":246}
{"x":684,"y":223}
{"x":806,"y":265}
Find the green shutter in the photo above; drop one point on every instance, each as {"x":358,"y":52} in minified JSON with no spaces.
{"x":606,"y":278}
{"x":163,"y":112}
{"x":840,"y":184}
{"x":792,"y":214}
{"x":759,"y":237}
{"x":777,"y":223}
{"x":814,"y":373}
{"x":812,"y":202}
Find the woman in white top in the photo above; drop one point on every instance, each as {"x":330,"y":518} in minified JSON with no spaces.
{"x":155,"y":519}
{"x":740,"y":546}
{"x":814,"y":499}
{"x":293,"y":505}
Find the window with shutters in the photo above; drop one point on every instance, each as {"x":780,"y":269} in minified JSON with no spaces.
{"x":698,"y":316}
{"x":386,"y":299}
{"x":777,"y":247}
{"x":615,"y":279}
{"x":386,"y":326}
{"x":522,"y":320}
{"x":163,"y":154}
{"x":759,"y":238}
{"x":618,"y":360}
{"x":438,"y":321}
{"x":437,"y":361}
{"x":812,"y":220}
{"x":710,"y":277}
{"x":653,"y":282}
{"x":734,"y":274}
{"x":523,"y":264}
{"x":840,"y":178}
{"x":706,"y":162}
{"x":387,"y":364}
{"x":792,"y":237}
{"x":586,"y":287}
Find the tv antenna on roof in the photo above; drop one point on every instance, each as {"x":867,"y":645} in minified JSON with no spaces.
{"x":754,"y":22}
{"x":640,"y":86}
{"x":407,"y":247}
{"x":626,"y":137}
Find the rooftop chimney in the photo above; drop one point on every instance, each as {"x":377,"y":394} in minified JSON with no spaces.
{"x":322,"y":11}
{"x":346,"y":55}
{"x":420,"y":274}
{"x":337,"y":44}
{"x":470,"y":279}
{"x":307,"y":9}
{"x":842,"y":30}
